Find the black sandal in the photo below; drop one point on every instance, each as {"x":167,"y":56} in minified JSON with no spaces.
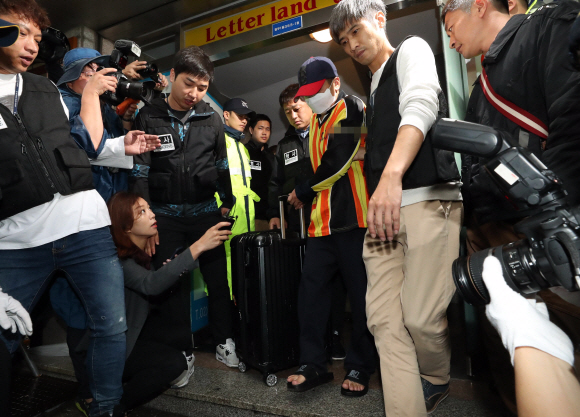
{"x":313,"y":378}
{"x":360,"y":378}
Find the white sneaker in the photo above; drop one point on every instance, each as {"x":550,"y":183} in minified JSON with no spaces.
{"x":183,"y":379}
{"x":227,"y":354}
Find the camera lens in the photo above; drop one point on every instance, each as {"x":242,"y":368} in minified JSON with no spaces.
{"x":521,"y":271}
{"x":468,"y":279}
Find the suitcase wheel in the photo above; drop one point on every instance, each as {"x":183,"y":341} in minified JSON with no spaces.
{"x":270,"y":379}
{"x":242,"y":367}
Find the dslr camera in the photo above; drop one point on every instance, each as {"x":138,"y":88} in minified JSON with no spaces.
{"x":136,"y":90}
{"x":549,"y":256}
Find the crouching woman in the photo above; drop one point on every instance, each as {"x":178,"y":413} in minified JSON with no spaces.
{"x":152,"y":365}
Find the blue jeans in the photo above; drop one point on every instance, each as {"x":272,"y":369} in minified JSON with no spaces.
{"x":89,"y":261}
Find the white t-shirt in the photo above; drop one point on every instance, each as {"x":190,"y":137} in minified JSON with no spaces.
{"x":63,"y":215}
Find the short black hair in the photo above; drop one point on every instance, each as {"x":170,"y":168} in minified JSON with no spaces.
{"x":350,"y":11}
{"x":193,"y":60}
{"x":288,"y":94}
{"x":258,"y":118}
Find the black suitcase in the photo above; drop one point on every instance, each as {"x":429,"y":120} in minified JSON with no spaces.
{"x":266,"y":270}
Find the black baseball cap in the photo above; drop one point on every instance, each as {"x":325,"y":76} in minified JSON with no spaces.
{"x":312,"y":75}
{"x":8,"y":33}
{"x":239,"y":106}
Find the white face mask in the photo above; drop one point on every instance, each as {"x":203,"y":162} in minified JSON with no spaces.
{"x":320,"y":102}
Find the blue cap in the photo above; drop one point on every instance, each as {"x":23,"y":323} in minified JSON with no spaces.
{"x":313,"y":73}
{"x":8,"y":33}
{"x":76,"y":59}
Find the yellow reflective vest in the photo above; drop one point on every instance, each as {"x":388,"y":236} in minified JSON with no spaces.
{"x":244,"y":197}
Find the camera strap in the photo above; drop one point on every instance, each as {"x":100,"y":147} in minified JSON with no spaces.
{"x":516,"y":114}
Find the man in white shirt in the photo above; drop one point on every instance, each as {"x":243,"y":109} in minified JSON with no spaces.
{"x":51,"y":218}
{"x":414,"y":214}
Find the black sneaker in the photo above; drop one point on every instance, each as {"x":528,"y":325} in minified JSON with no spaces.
{"x":337,"y":351}
{"x":433,"y":394}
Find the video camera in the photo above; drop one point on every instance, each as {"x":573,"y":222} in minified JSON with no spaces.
{"x":549,"y":256}
{"x":143,"y":91}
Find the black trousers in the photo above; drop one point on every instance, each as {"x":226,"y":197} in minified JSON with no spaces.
{"x":325,"y":257}
{"x":149,"y":370}
{"x":155,"y":361}
{"x":174,"y":305}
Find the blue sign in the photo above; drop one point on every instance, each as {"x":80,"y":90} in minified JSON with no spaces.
{"x":287,"y":26}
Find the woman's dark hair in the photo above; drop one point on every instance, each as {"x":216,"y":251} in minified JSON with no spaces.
{"x":193,"y":60}
{"x":258,"y":118}
{"x":26,"y":9}
{"x":122,"y":219}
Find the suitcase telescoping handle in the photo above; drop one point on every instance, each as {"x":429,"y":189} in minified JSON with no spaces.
{"x":281,"y":200}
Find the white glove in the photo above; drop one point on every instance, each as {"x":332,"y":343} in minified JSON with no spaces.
{"x":13,"y":316}
{"x":519,"y":321}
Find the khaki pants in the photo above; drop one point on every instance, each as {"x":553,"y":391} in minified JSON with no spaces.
{"x":409,"y":288}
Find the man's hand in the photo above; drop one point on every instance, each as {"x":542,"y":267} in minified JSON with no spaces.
{"x":275,"y":223}
{"x":224,"y":211}
{"x":162,"y":83}
{"x":138,"y":142}
{"x":384,"y":211}
{"x":150,"y":245}
{"x":13,"y":316}
{"x":130,"y":112}
{"x":101,"y":82}
{"x":292,"y":199}
{"x":131,"y":69}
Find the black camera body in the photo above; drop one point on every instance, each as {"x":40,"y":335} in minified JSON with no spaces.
{"x":549,"y":256}
{"x":143,"y":91}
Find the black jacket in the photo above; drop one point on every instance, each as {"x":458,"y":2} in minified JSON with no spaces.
{"x":39,"y":157}
{"x":528,"y":65}
{"x":261,"y":163}
{"x":430,"y":166}
{"x":195,"y":169}
{"x":291,"y":167}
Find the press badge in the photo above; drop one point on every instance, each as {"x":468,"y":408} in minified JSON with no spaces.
{"x":2,"y":123}
{"x":290,"y":157}
{"x":166,"y":143}
{"x":257,"y":165}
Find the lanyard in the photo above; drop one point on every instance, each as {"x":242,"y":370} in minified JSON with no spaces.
{"x":15,"y":112}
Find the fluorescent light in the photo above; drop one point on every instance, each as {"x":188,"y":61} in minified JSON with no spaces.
{"x":322,"y":36}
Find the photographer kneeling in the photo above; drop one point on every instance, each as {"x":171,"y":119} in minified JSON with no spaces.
{"x":152,"y":364}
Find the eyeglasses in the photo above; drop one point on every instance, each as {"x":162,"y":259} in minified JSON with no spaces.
{"x":89,"y":73}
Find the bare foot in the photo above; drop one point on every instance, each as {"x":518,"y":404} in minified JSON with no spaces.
{"x":296,"y":379}
{"x":352,"y":386}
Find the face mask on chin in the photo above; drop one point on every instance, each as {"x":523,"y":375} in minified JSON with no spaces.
{"x":321,"y":102}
